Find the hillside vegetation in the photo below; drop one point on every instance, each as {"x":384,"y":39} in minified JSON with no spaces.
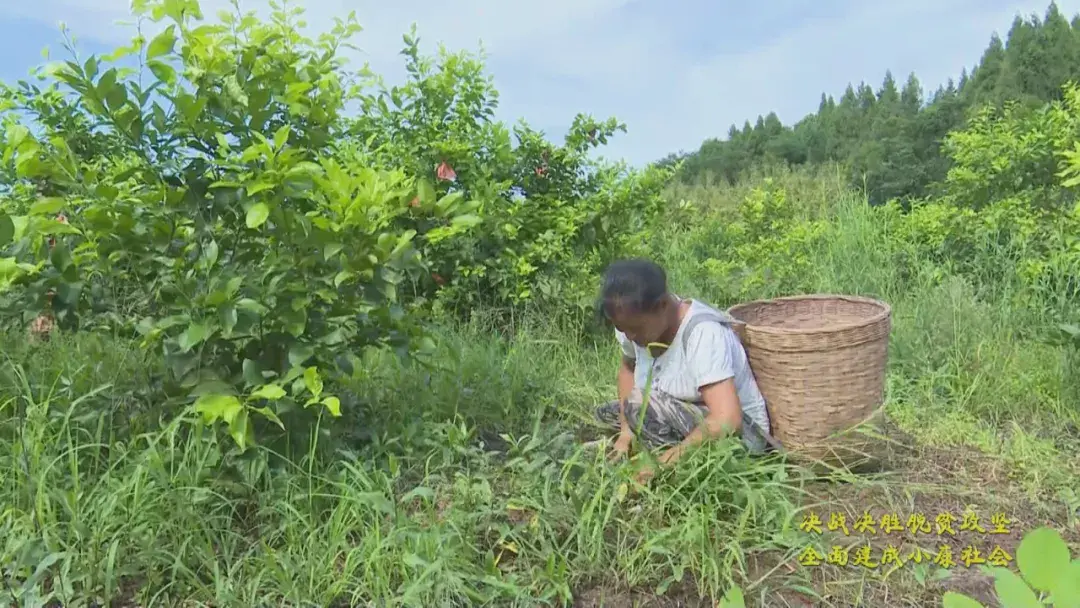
{"x":889,"y":139}
{"x":317,"y":341}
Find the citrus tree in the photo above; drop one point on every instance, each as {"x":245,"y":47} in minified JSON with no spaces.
{"x":205,"y":203}
{"x":258,"y":214}
{"x":551,"y":215}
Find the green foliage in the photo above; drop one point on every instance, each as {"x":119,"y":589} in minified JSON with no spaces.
{"x":535,"y":523}
{"x":221,"y":218}
{"x":733,"y":598}
{"x":765,"y":247}
{"x":889,"y":138}
{"x":227,"y":207}
{"x":1046,"y":567}
{"x":1005,"y":192}
{"x":551,"y":216}
{"x":233,"y":245}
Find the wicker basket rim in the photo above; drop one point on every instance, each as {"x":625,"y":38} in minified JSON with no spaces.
{"x":884,"y":312}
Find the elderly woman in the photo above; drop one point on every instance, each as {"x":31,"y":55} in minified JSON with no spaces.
{"x":701,"y":383}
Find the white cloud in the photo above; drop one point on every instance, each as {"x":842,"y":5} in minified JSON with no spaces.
{"x":935,"y":39}
{"x":615,"y":57}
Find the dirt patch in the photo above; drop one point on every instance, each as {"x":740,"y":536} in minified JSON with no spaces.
{"x":605,"y":596}
{"x":975,"y":585}
{"x":947,"y":504}
{"x":792,"y":586}
{"x":938,"y":481}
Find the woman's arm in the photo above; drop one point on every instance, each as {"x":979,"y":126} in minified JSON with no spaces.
{"x":625,"y":384}
{"x":724,"y":417}
{"x":709,"y":362}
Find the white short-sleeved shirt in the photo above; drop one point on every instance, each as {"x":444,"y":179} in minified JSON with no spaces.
{"x":712,"y":353}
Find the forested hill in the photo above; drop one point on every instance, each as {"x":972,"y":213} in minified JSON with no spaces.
{"x":891,"y":137}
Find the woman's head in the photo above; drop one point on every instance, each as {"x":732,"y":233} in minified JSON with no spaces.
{"x":635,"y":298}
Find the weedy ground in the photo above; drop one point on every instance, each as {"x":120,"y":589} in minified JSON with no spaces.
{"x":473,"y":483}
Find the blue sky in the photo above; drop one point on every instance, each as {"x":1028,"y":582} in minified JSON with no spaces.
{"x":676,"y":71}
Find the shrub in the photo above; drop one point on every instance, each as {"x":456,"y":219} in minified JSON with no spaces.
{"x":220,"y":200}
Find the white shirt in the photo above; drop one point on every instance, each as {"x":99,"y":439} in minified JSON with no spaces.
{"x":713,"y":354}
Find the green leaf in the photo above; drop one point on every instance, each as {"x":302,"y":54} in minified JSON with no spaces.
{"x":116,"y":96}
{"x":447,"y":202}
{"x":11,"y":269}
{"x":47,"y":206}
{"x":466,"y":221}
{"x":333,"y":405}
{"x":270,"y":415}
{"x":345,"y":364}
{"x":343,"y":276}
{"x":295,"y":321}
{"x":332,"y":249}
{"x":107,"y":82}
{"x":212,"y":387}
{"x":252,"y":373}
{"x":68,"y":293}
{"x":251,"y":305}
{"x":90,"y":68}
{"x":1066,"y":592}
{"x":228,"y":319}
{"x":293,"y":373}
{"x":192,"y":336}
{"x":222,"y":141}
{"x":733,"y":598}
{"x":334,"y":338}
{"x":300,"y":353}
{"x":1042,"y":557}
{"x":162,"y":44}
{"x":403,"y":241}
{"x":313,"y":382}
{"x":7,"y":230}
{"x":257,"y":215}
{"x":952,"y":599}
{"x":60,"y":257}
{"x":210,"y":253}
{"x":240,"y":429}
{"x":375,"y":500}
{"x":163,"y":72}
{"x":270,"y":392}
{"x":281,"y":137}
{"x":1012,"y":591}
{"x":425,"y":192}
{"x":258,"y":187}
{"x":417,"y":492}
{"x":53,"y":226}
{"x":218,"y":407}
{"x":426,"y":346}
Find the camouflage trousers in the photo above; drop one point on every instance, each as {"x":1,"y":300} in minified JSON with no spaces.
{"x":665,"y":422}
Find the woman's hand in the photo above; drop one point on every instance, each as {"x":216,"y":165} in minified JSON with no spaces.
{"x":671,"y":455}
{"x":645,"y":474}
{"x":622,"y":447}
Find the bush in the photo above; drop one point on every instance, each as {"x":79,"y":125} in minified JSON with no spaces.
{"x":227,"y":208}
{"x":550,"y":216}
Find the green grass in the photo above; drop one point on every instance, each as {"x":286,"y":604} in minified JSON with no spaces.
{"x":424,"y":516}
{"x":473,"y":484}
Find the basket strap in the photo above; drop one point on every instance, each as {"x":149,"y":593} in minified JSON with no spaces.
{"x":727,"y":321}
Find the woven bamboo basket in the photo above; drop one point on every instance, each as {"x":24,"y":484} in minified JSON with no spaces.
{"x":819,"y":361}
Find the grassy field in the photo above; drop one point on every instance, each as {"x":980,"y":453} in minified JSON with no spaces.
{"x":473,"y":483}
